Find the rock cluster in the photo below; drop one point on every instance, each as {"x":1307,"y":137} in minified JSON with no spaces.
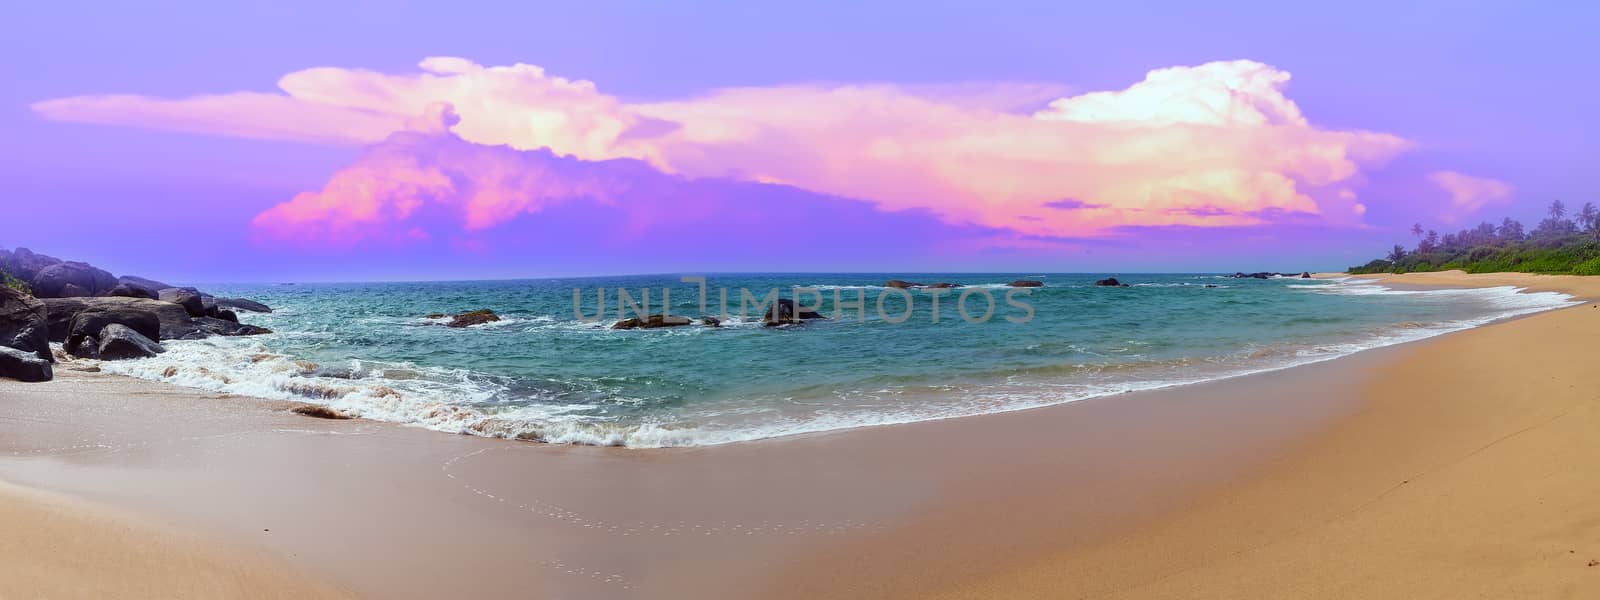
{"x":97,"y":315}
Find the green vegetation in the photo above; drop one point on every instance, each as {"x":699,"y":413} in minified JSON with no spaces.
{"x":1559,"y":245}
{"x":16,"y":284}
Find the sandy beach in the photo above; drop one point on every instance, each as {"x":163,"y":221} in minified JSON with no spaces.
{"x":1455,"y":467}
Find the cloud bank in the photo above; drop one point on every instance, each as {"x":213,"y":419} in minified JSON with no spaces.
{"x":1213,"y":145}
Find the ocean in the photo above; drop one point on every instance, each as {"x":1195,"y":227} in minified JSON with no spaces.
{"x":550,"y":373}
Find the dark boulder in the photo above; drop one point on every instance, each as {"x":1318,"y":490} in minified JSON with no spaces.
{"x":118,"y":341}
{"x":225,"y":314}
{"x":188,"y":298}
{"x":150,"y":286}
{"x":208,"y":326}
{"x":23,"y":264}
{"x":944,"y":285}
{"x":89,"y":323}
{"x":24,"y":366}
{"x":784,"y":312}
{"x":475,"y":317}
{"x":711,"y":321}
{"x":1026,"y":283}
{"x":243,"y":304}
{"x":128,"y":291}
{"x":1305,"y":275}
{"x":71,"y":280}
{"x":88,"y":347}
{"x":175,"y":320}
{"x":653,"y":322}
{"x":896,"y":283}
{"x":1110,"y":282}
{"x":24,"y":323}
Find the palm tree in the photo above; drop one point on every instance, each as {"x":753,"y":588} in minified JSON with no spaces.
{"x":1416,"y":230}
{"x":1558,"y":209}
{"x":1589,"y":218}
{"x":1399,"y":252}
{"x":1511,"y":230}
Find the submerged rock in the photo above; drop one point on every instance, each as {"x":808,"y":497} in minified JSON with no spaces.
{"x":653,"y":322}
{"x":1110,"y":282}
{"x":784,"y":312}
{"x":24,"y":323}
{"x":118,"y":341}
{"x":470,"y":318}
{"x":944,"y":285}
{"x":319,"y":411}
{"x":24,"y":366}
{"x":711,"y":321}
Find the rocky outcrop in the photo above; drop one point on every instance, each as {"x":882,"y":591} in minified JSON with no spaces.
{"x":1028,"y":283}
{"x":175,"y":322}
{"x":24,"y":366}
{"x":711,"y":321}
{"x":1262,"y":275}
{"x":118,"y":341}
{"x":188,"y":298}
{"x":24,"y":323}
{"x":88,"y":347}
{"x":71,"y":280}
{"x":1110,"y":282}
{"x":784,"y":312}
{"x":896,"y":283}
{"x":128,"y":291}
{"x":475,"y":317}
{"x":653,"y":322}
{"x":944,"y":285}
{"x":1305,"y":275}
{"x":24,"y":264}
{"x":89,"y":324}
{"x":150,"y":286}
{"x":243,"y":304}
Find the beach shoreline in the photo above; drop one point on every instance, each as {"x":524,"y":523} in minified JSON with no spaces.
{"x":1183,"y":492}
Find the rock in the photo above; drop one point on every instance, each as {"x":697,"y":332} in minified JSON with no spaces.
{"x":24,"y":323}
{"x":188,"y":298}
{"x":896,"y":283}
{"x":23,"y":264}
{"x":784,"y":312}
{"x":711,"y":321}
{"x":1110,"y":282}
{"x":1026,"y":283}
{"x":476,"y":317}
{"x":1305,"y":275}
{"x":652,"y":322}
{"x":175,"y":320}
{"x":243,"y":304}
{"x":226,"y":315}
{"x":128,"y":291}
{"x":320,"y":412}
{"x":118,"y":341}
{"x":71,"y":280}
{"x":944,"y":286}
{"x":22,"y":365}
{"x":150,"y":286}
{"x":89,"y":324}
{"x":437,"y":315}
{"x":208,"y":326}
{"x":88,"y":347}
{"x":1211,"y":285}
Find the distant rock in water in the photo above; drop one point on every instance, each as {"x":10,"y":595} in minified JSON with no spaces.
{"x":118,"y":341}
{"x":711,"y":321}
{"x":1263,"y":275}
{"x":1028,"y":283}
{"x":1305,"y":275}
{"x":470,"y":318}
{"x":1110,"y":282}
{"x":24,"y":366}
{"x":318,"y":411}
{"x":24,"y":323}
{"x":653,"y":322}
{"x":896,"y":283}
{"x":944,"y":285}
{"x":784,"y":312}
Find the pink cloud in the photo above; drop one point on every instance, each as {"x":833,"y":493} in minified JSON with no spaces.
{"x":1468,"y":194}
{"x":1218,"y":144}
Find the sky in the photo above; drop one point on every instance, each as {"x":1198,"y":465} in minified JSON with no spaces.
{"x":312,"y":141}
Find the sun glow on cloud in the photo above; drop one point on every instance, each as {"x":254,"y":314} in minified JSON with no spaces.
{"x":1218,"y":144}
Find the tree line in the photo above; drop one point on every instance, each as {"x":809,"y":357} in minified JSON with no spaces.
{"x":1560,"y":243}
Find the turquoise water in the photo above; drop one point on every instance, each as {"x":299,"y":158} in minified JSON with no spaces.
{"x":543,"y":374}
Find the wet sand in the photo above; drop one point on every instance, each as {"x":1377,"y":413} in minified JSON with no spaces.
{"x":1453,"y":467}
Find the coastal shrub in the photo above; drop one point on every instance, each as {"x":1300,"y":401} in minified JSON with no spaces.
{"x":16,"y":284}
{"x":1589,"y":267}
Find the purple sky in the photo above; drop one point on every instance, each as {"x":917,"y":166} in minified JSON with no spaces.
{"x":1441,"y":112}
